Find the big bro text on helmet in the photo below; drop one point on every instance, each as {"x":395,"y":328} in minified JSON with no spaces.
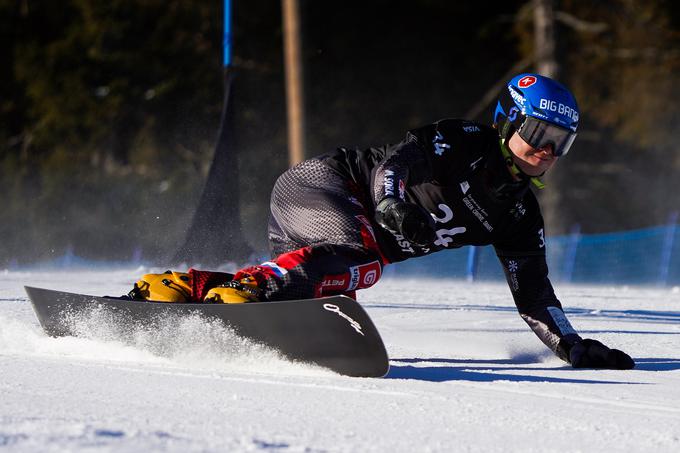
{"x":541,"y":110}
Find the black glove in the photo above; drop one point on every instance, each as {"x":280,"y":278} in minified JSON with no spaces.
{"x":593,"y":354}
{"x":407,"y":219}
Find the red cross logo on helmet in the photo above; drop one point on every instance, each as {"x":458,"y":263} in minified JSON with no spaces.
{"x":526,"y":81}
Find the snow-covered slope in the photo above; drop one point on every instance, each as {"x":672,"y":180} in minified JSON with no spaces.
{"x":467,"y":375}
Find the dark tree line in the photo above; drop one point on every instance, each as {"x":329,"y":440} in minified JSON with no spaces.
{"x":109,"y":110}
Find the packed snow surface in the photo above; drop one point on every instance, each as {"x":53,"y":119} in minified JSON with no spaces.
{"x":466,"y":375}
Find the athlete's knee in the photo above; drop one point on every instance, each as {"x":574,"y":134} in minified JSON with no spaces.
{"x":352,"y":278}
{"x":316,"y":271}
{"x":348,"y":268}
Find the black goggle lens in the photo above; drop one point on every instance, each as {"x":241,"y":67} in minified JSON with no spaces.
{"x":539,"y":134}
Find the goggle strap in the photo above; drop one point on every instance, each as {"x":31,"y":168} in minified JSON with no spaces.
{"x":506,"y":128}
{"x":536,"y":181}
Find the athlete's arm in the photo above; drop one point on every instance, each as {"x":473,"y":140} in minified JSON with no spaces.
{"x":527,"y":275}
{"x":404,"y":162}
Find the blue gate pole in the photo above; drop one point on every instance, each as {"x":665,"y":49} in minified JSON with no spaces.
{"x":570,"y":254}
{"x":226,"y":37}
{"x":667,"y":249}
{"x":473,"y":258}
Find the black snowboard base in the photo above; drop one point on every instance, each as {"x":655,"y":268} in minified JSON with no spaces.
{"x":333,"y":332}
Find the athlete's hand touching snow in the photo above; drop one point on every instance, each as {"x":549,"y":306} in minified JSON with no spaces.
{"x":593,"y":354}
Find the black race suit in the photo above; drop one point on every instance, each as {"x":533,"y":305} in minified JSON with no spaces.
{"x":324,"y":238}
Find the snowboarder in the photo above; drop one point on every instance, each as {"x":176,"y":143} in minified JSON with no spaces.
{"x":336,"y":220}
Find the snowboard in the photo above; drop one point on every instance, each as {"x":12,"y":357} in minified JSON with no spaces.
{"x":333,"y":332}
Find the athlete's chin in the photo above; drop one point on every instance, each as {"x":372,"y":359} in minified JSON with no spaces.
{"x":538,"y":169}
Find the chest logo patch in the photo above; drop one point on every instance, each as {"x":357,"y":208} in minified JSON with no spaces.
{"x":439,"y":145}
{"x":474,"y":164}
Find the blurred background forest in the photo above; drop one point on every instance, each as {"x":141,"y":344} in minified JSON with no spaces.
{"x":109,"y":109}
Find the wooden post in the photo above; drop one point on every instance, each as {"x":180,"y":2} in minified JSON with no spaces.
{"x":544,"y":38}
{"x":546,"y":65}
{"x":294,"y":83}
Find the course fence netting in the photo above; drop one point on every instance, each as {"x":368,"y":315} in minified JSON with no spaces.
{"x":649,"y":256}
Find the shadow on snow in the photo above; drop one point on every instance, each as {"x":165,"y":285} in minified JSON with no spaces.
{"x":657,"y":364}
{"x":470,"y":370}
{"x":662,"y":317}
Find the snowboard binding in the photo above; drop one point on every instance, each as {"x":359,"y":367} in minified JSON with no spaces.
{"x":167,"y":287}
{"x":195,"y":287}
{"x":234,"y":292}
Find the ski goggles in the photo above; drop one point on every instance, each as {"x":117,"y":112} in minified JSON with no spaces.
{"x":539,"y":134}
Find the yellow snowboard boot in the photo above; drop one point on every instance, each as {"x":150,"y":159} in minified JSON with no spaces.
{"x":168,"y":287}
{"x":234,"y":292}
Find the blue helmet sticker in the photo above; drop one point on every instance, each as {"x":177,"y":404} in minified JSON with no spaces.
{"x":545,"y":99}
